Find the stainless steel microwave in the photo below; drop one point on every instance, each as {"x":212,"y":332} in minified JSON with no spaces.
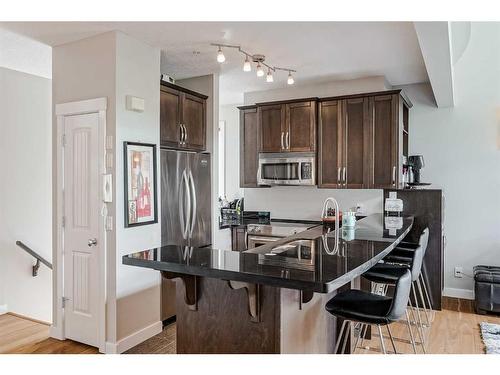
{"x":294,"y":168}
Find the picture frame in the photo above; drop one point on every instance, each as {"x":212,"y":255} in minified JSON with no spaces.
{"x":140,"y":183}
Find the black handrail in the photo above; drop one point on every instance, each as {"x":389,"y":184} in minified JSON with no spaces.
{"x":35,"y":255}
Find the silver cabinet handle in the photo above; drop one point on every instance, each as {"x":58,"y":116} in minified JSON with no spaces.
{"x":193,"y":199}
{"x":185,"y":133}
{"x":182,"y":134}
{"x":287,"y":140}
{"x":282,"y":134}
{"x":92,"y":242}
{"x":338,"y":176}
{"x":344,"y":176}
{"x":394,"y":176}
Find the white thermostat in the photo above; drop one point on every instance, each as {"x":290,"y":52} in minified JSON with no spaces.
{"x":135,"y":103}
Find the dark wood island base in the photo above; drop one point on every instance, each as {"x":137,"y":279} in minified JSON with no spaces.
{"x":222,"y":322}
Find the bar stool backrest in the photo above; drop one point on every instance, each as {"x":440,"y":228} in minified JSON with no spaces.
{"x":400,"y":298}
{"x":418,"y":256}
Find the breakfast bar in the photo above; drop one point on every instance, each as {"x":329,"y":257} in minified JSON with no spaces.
{"x":270,"y":299}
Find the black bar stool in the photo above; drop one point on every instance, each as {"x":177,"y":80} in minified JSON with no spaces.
{"x":403,"y":254}
{"x":368,"y":308}
{"x":385,"y":273}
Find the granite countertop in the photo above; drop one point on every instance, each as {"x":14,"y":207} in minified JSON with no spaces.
{"x":312,"y":265}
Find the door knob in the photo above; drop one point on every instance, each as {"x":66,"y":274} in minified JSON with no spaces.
{"x":92,"y":242}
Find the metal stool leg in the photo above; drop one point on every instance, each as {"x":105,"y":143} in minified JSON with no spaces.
{"x":426,"y":292}
{"x":411,"y":333}
{"x":423,"y":302}
{"x":419,"y":325}
{"x":339,"y":338}
{"x":392,"y":339}
{"x":348,"y":326}
{"x":360,"y":332}
{"x":364,"y":335}
{"x":381,"y":339}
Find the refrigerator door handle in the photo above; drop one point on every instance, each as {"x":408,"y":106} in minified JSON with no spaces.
{"x":193,"y":199}
{"x":182,"y":207}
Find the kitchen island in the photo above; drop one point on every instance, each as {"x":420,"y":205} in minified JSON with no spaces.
{"x":269,"y":299}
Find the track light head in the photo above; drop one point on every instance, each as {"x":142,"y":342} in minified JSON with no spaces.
{"x":269,"y":77}
{"x":246,"y":65}
{"x":290,"y":79}
{"x":220,"y":56}
{"x":260,"y":71}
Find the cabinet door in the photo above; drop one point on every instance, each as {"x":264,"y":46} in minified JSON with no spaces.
{"x":193,"y":119}
{"x":271,"y":128}
{"x":384,"y":141}
{"x":300,"y":132}
{"x":330,"y":144}
{"x":170,"y":117}
{"x":238,"y":239}
{"x":248,"y":147}
{"x":355,"y":143}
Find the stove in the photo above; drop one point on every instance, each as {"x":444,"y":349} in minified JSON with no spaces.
{"x":262,"y":234}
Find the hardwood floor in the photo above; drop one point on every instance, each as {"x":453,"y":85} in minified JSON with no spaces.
{"x":452,"y":332}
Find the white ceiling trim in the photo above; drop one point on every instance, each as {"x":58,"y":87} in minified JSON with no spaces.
{"x":435,"y":43}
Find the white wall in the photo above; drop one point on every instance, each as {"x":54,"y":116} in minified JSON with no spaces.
{"x":25,"y":192}
{"x":307,"y":202}
{"x":461,"y":146}
{"x":114,"y":65}
{"x":231,"y":115}
{"x":20,"y":53}
{"x":95,"y":61}
{"x":320,"y":89}
{"x":137,"y":290}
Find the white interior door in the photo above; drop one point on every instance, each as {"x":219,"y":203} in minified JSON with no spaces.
{"x":82,"y":211}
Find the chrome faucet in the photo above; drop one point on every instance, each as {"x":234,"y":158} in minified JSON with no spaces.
{"x":324,"y":214}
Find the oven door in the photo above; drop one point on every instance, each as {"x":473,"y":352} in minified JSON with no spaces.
{"x":256,"y":241}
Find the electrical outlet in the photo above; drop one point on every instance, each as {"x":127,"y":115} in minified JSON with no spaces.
{"x":459,"y":272}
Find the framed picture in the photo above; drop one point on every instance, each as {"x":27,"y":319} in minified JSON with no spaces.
{"x":140,"y":184}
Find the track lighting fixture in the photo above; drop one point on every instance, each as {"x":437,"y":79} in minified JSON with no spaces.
{"x":220,"y":56}
{"x":258,"y":59}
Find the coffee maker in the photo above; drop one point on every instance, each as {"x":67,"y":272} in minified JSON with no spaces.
{"x":416,"y":163}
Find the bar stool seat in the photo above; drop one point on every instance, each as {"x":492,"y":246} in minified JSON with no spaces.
{"x":361,"y":306}
{"x":383,"y":273}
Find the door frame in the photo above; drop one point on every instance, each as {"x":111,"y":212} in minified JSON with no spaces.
{"x":99,"y":106}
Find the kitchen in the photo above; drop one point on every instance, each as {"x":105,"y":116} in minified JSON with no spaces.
{"x":356,"y":144}
{"x":256,"y":199}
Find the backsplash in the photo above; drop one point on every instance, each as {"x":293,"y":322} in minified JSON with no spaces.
{"x":306,"y":202}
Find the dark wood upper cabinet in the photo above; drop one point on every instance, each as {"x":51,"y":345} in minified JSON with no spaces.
{"x":300,"y":126}
{"x":355,"y":143}
{"x":170,"y":117}
{"x":248,"y":146}
{"x":194,"y":120}
{"x":288,"y":126}
{"x":330,"y":144}
{"x":182,"y":118}
{"x":384,"y":139}
{"x":271,"y":127}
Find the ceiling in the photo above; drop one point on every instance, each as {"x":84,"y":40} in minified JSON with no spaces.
{"x":319,"y":51}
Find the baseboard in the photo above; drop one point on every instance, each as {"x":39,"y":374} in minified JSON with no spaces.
{"x":3,"y":309}
{"x":458,"y":293}
{"x":134,"y":339}
{"x":28,"y":318}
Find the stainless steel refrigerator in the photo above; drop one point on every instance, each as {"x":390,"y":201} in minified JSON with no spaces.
{"x":185,"y":209}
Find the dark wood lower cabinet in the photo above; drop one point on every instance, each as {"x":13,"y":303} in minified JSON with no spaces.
{"x":238,"y":238}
